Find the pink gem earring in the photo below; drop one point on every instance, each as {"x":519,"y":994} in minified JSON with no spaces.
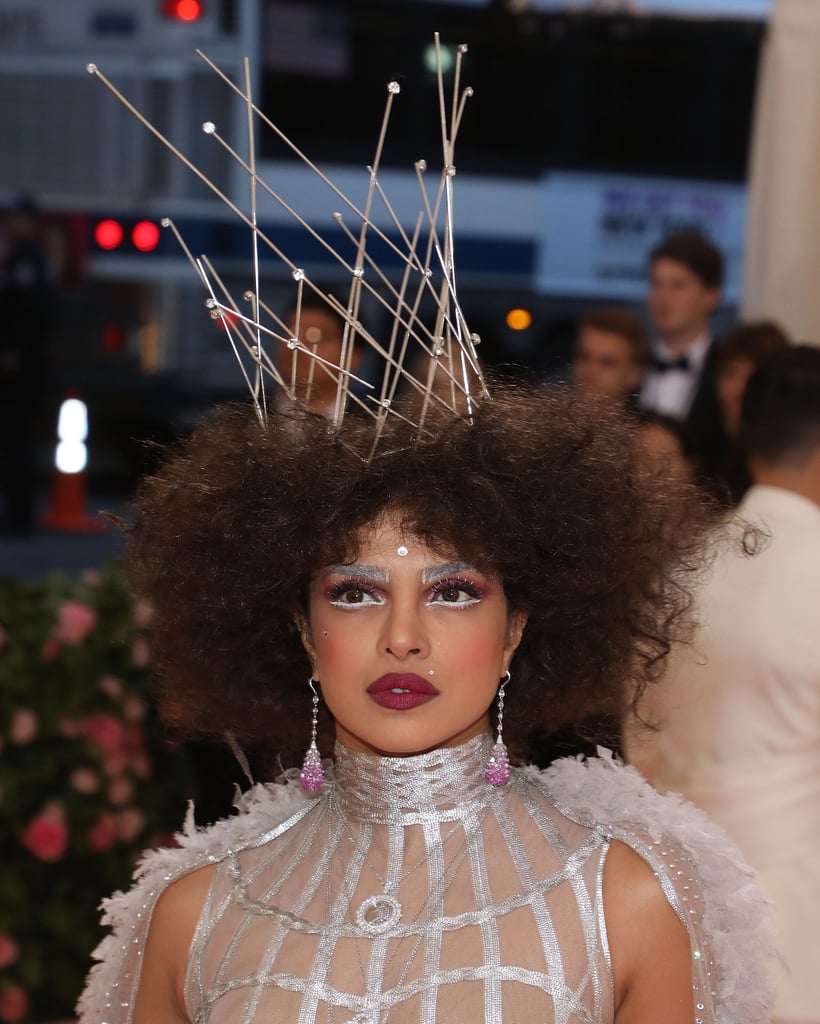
{"x":497,"y":772}
{"x":312,"y":775}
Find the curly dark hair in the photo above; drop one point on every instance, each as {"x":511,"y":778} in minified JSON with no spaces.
{"x":539,"y":486}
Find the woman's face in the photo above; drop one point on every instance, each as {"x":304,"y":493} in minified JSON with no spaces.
{"x":730,"y":383}
{"x":408,"y":644}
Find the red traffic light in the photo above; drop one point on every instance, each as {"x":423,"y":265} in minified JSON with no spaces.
{"x":183,"y":10}
{"x":145,"y":236}
{"x":108,"y":234}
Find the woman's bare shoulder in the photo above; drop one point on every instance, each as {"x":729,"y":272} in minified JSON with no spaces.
{"x":161,"y":992}
{"x":649,"y":946}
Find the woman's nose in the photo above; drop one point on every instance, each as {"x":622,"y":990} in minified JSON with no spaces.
{"x":404,"y":633}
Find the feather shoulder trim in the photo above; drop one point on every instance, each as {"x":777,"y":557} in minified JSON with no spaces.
{"x":735,"y":923}
{"x":264,"y":811}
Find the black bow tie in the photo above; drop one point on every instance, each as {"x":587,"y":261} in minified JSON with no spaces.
{"x":662,"y":365}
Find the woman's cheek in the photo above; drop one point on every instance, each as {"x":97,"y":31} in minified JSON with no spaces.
{"x":336,"y":650}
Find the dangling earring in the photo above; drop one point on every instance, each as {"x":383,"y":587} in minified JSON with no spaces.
{"x":497,"y":772}
{"x":312,"y":775}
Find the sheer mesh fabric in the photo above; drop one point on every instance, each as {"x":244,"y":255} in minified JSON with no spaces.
{"x":501,"y":906}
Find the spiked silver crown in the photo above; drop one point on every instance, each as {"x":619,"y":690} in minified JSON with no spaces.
{"x":425,"y":253}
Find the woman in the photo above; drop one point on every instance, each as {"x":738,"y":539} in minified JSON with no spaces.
{"x":508,"y":567}
{"x":738,"y":355}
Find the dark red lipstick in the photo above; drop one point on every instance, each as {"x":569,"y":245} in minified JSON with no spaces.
{"x":401,"y":691}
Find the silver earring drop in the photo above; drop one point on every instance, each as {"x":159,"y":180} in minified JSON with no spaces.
{"x":312,"y":775}
{"x":497,"y":771}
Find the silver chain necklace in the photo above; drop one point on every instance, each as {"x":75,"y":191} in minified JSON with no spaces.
{"x":378,"y":914}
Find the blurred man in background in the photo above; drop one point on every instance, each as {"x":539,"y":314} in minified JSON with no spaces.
{"x":610,"y":355}
{"x":685,"y":278}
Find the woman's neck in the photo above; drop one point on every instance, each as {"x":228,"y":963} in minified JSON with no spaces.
{"x":441,"y":785}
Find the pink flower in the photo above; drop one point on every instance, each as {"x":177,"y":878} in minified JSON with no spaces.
{"x":50,"y":649}
{"x":8,"y":950}
{"x":47,"y":838}
{"x":14,"y":1004}
{"x":106,"y":731}
{"x":141,"y":652}
{"x":143,"y":613}
{"x":115,"y":764}
{"x":111,"y":687}
{"x":103,"y":834}
{"x":120,"y":791}
{"x":84,"y":780}
{"x":134,"y":708}
{"x":130,"y":823}
{"x":91,"y":576}
{"x":24,"y":726}
{"x":68,"y":727}
{"x":141,"y":766}
{"x":134,"y":739}
{"x":75,"y":620}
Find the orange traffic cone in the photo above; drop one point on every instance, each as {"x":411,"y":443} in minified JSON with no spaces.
{"x":68,"y":497}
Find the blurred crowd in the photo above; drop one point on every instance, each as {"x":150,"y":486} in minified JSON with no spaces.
{"x":734,"y":722}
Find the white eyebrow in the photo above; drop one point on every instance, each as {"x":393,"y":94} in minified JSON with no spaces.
{"x":367,"y":572}
{"x":447,"y":569}
{"x":373,"y":572}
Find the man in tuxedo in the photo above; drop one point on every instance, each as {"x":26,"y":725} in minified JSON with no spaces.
{"x":685,"y":278}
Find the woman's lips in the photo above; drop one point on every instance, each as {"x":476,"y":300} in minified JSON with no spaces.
{"x":401,"y":691}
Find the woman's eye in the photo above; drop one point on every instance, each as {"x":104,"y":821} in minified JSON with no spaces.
{"x":347,"y":594}
{"x":457,"y":592}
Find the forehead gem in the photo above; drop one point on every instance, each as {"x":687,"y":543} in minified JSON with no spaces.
{"x":402,"y":551}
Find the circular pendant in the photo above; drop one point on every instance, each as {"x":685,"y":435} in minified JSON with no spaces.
{"x":378,"y":914}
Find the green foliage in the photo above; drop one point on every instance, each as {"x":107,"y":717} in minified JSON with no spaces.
{"x":86,"y":779}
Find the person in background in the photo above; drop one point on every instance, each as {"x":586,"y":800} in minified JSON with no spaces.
{"x":610,"y":355}
{"x":685,"y":279}
{"x":737,"y":713}
{"x":667,"y":448}
{"x":321,"y":331}
{"x":737,"y":356}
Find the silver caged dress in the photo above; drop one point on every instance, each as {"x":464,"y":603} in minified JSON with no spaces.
{"x":412,"y":892}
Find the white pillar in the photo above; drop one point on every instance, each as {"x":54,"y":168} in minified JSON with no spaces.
{"x":782,"y":255}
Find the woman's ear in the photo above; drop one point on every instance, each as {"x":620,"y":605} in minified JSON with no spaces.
{"x":515,"y":630}
{"x":305,"y":635}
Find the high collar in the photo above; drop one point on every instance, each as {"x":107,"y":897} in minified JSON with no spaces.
{"x":441,"y":785}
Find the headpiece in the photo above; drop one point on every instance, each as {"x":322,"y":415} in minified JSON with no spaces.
{"x":425,"y":253}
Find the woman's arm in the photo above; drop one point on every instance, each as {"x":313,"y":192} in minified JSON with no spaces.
{"x":161,"y":992}
{"x":651,"y":955}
